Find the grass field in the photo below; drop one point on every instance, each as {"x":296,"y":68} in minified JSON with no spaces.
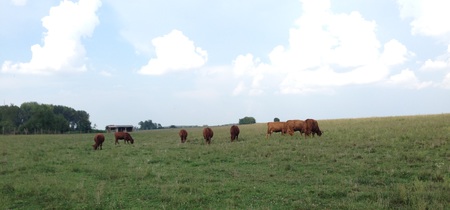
{"x":370,"y":163}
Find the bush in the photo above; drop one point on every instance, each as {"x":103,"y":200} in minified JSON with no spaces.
{"x":247,"y":120}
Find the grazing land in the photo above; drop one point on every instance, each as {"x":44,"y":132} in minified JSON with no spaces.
{"x":370,"y":163}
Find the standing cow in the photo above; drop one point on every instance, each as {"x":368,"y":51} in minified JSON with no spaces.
{"x":297,"y":125}
{"x":183,"y":135}
{"x":123,"y":135}
{"x":208,"y":134}
{"x":98,"y":139}
{"x":234,"y":132}
{"x":313,"y":127}
{"x":275,"y":127}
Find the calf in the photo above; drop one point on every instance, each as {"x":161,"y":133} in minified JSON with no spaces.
{"x":98,"y":139}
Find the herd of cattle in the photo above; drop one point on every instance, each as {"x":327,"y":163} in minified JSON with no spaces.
{"x":307,"y":127}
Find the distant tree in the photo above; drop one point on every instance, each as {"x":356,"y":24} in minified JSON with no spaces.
{"x":276,"y":119}
{"x":9,"y":119}
{"x":148,"y":125}
{"x":247,"y":120}
{"x":32,"y":117}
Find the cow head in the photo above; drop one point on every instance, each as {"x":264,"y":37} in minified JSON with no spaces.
{"x":131,"y":139}
{"x":319,"y":133}
{"x":94,"y":146}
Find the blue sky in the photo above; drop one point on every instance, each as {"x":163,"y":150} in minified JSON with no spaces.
{"x":203,"y":62}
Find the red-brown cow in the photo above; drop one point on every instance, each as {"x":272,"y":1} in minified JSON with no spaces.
{"x":313,"y":126}
{"x":275,"y":127}
{"x":234,"y":132}
{"x":183,"y":135}
{"x":208,"y":134}
{"x":98,"y":139}
{"x":297,"y":125}
{"x":123,"y":135}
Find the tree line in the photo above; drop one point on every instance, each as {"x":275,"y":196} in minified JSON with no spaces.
{"x":35,"y":118}
{"x":150,"y":125}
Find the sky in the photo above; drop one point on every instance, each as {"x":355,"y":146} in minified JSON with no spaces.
{"x":201,"y":62}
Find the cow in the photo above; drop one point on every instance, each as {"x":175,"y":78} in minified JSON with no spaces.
{"x":234,"y":132}
{"x":208,"y":134}
{"x":183,"y":135}
{"x":275,"y":127}
{"x":297,"y":125}
{"x":313,"y":126}
{"x":98,"y":139}
{"x":123,"y":135}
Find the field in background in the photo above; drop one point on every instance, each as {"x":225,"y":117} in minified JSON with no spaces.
{"x":370,"y":163}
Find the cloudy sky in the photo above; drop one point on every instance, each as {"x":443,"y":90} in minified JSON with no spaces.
{"x":200,"y":62}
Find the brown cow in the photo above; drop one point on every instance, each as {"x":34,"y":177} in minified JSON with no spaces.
{"x":183,"y":135}
{"x":275,"y":127}
{"x":297,"y":125}
{"x":313,"y":127}
{"x":123,"y":135}
{"x":98,"y":139}
{"x":208,"y":134}
{"x":234,"y":132}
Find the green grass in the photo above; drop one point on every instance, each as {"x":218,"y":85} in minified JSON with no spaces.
{"x":370,"y":163}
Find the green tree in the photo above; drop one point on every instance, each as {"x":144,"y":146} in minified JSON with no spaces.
{"x":149,"y":125}
{"x":247,"y":120}
{"x":42,"y":118}
{"x":9,"y":119}
{"x":276,"y":119}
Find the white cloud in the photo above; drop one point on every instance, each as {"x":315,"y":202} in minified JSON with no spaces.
{"x":325,"y":50}
{"x":174,"y":52}
{"x":442,"y":62}
{"x":62,"y":50}
{"x":435,"y":65}
{"x":407,"y":78}
{"x":394,"y":53}
{"x":429,"y":17}
{"x":19,"y":2}
{"x":446,"y":81}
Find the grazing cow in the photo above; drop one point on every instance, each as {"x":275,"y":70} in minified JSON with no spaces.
{"x":208,"y":134}
{"x":297,"y":125}
{"x":123,"y":135}
{"x":275,"y":127}
{"x":98,"y":139}
{"x":234,"y":132}
{"x":313,"y":127}
{"x":183,"y":135}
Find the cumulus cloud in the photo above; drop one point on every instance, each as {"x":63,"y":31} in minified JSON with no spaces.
{"x":446,"y":81}
{"x":408,"y":79}
{"x":174,"y":52}
{"x":325,"y":50}
{"x":62,"y":50}
{"x":442,"y":62}
{"x":428,"y":16}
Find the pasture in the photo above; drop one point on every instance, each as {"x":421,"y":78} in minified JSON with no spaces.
{"x":369,"y":163}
